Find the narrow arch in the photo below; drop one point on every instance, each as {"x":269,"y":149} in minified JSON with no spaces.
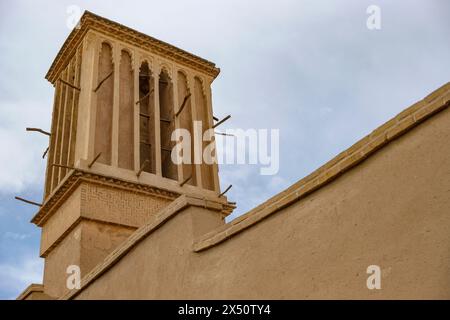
{"x":147,"y":118}
{"x":105,"y":96}
{"x":68,"y":110}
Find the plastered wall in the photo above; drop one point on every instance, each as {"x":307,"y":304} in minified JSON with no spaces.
{"x":392,"y":210}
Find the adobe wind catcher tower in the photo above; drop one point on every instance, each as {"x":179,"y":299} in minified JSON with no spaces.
{"x":119,"y":94}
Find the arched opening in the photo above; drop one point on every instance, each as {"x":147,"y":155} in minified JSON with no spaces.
{"x":67,"y":118}
{"x":146,"y":119}
{"x":59,"y":117}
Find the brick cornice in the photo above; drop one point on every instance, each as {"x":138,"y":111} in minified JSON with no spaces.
{"x":31,"y":289}
{"x":76,"y":176}
{"x":90,"y":21}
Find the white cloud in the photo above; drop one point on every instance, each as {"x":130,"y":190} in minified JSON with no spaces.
{"x":15,"y":236}
{"x":15,"y":277}
{"x":21,"y":154}
{"x":310,"y":68}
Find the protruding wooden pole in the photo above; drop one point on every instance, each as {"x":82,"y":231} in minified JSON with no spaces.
{"x":224,"y":134}
{"x":186,"y":180}
{"x":39,"y":130}
{"x":63,"y":166}
{"x":226,"y":190}
{"x":183,"y":104}
{"x":28,"y":201}
{"x":69,"y":84}
{"x":101,"y":82}
{"x":221,"y":121}
{"x":45,"y":152}
{"x":138,"y":174}
{"x":146,"y":96}
{"x":95,"y":159}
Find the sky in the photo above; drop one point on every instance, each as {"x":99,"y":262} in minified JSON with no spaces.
{"x":312,"y":69}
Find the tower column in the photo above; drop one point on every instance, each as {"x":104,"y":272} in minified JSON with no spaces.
{"x":157,"y":70}
{"x":136,"y":107}
{"x":88,"y":103}
{"x":52,"y":156}
{"x":195,"y":118}
{"x":176,"y":120}
{"x":115,"y":115}
{"x":210,"y":125}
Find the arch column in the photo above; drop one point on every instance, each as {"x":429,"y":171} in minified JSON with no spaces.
{"x":87,"y":105}
{"x":198,"y":146}
{"x":176,"y":120}
{"x":215,"y":165}
{"x":136,"y":69}
{"x":116,"y":102}
{"x":88,"y":100}
{"x":157,"y":124}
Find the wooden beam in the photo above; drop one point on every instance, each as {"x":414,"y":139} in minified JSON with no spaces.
{"x":183,"y":104}
{"x":186,"y":180}
{"x":45,"y":152}
{"x":63,"y":166}
{"x":226,"y":190}
{"x":69,"y":84}
{"x":221,"y":121}
{"x":40,"y":131}
{"x":101,"y":82}
{"x":224,"y":134}
{"x":146,"y":96}
{"x":28,"y":201}
{"x":142,"y":167}
{"x":95,"y":159}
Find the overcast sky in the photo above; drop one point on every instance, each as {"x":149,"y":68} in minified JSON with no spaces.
{"x":309,"y":68}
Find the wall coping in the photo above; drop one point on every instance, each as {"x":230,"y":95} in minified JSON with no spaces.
{"x":380,"y":137}
{"x":34,"y":287}
{"x":406,"y":120}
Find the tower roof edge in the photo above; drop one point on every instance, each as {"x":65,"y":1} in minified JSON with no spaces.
{"x":91,"y":21}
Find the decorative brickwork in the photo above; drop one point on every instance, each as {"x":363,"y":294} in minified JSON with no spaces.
{"x":114,"y":205}
{"x":90,"y":21}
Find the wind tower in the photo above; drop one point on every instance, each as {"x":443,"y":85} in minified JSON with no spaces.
{"x":119,"y":95}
